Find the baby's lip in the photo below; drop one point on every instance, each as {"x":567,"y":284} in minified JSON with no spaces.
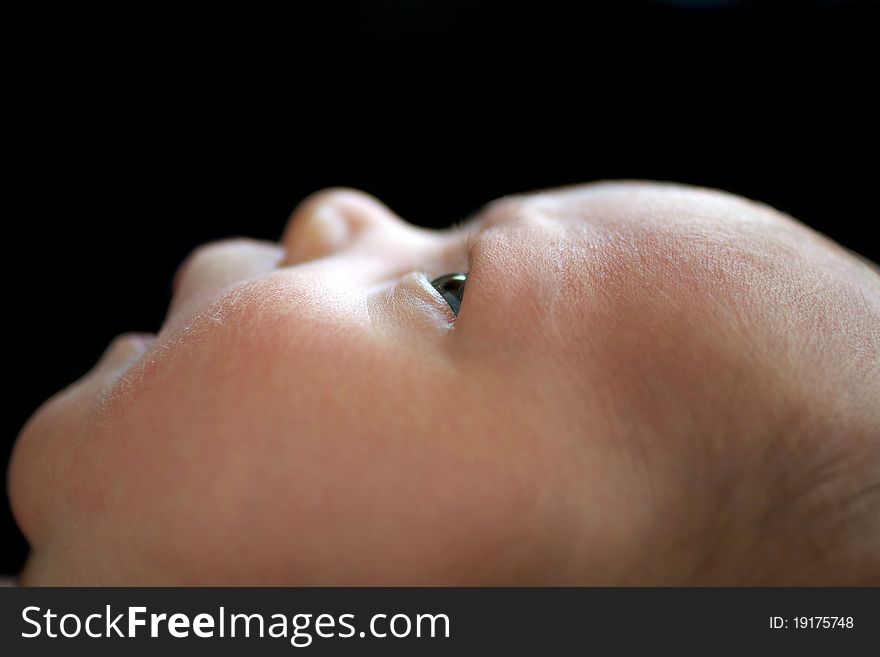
{"x":185,"y":265}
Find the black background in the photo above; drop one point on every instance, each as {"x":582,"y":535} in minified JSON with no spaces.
{"x":135,"y":137}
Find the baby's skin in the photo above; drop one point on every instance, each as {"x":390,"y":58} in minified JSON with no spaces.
{"x":646,"y":384}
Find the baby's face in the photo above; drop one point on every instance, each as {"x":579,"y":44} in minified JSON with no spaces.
{"x":634,"y":376}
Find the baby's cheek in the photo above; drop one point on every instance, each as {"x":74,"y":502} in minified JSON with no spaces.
{"x":252,"y":461}
{"x":160,"y":490}
{"x":40,"y":465}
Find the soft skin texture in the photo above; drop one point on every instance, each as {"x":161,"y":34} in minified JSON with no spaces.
{"x":647,"y":384}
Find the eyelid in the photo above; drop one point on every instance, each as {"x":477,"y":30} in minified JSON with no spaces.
{"x":413,"y":296}
{"x":423,"y":280}
{"x":417,"y":283}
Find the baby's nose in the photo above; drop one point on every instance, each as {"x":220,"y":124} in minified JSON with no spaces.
{"x":331,"y":220}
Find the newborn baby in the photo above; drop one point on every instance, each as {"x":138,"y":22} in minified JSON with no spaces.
{"x":644,"y":384}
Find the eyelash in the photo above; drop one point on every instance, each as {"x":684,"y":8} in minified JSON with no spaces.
{"x":465,"y":233}
{"x":467,"y":237}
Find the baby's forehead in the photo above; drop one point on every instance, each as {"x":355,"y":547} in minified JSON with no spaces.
{"x":627,"y":205}
{"x":619,"y":226}
{"x":563,"y":261}
{"x":546,"y":240}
